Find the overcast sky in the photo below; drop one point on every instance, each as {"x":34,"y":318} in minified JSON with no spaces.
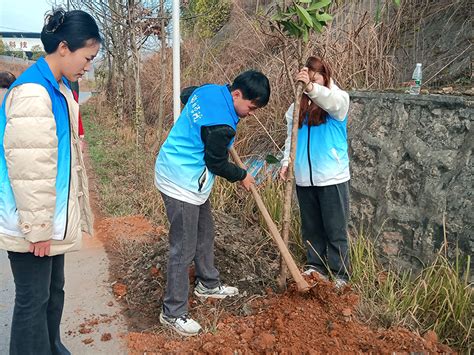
{"x":24,"y":15}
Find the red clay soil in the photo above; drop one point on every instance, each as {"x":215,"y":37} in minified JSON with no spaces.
{"x":321,"y":321}
{"x":131,"y":227}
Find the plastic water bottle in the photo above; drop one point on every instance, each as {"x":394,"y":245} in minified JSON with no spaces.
{"x":415,"y":84}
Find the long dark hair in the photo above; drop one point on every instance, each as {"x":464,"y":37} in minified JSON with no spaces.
{"x":315,"y":115}
{"x":73,"y":27}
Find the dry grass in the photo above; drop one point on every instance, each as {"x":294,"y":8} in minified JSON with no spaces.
{"x":125,"y":175}
{"x":359,"y":50}
{"x":440,"y":298}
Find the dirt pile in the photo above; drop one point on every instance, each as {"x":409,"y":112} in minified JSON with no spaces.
{"x":258,"y":320}
{"x":320,"y":321}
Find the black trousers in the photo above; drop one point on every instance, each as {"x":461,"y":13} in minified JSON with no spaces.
{"x":39,"y":300}
{"x":324,"y":218}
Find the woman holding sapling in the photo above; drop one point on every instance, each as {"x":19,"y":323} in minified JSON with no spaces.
{"x":321,"y":169}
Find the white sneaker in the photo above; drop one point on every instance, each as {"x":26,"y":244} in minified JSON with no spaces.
{"x":340,"y":283}
{"x":311,"y":269}
{"x":221,"y":291}
{"x":183,"y":325}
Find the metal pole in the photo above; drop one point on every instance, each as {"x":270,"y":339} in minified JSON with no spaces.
{"x":176,"y":61}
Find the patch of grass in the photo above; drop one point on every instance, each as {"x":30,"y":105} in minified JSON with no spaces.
{"x":233,"y":200}
{"x":440,"y":298}
{"x":272,"y":192}
{"x":124,"y":175}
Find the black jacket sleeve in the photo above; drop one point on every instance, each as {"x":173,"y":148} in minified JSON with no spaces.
{"x":216,"y":156}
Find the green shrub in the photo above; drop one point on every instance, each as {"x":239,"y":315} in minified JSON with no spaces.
{"x":207,"y":16}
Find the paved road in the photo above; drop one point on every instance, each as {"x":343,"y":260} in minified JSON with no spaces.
{"x":90,"y":309}
{"x":84,"y":96}
{"x":6,"y":296}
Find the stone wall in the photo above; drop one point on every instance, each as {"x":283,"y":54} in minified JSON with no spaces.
{"x":411,"y":164}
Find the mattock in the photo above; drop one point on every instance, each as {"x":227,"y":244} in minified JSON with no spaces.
{"x":301,"y":283}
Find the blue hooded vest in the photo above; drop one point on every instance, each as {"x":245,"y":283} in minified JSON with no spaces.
{"x":181,"y":157}
{"x":39,"y":73}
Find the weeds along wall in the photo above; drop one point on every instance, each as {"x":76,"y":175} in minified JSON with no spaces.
{"x":412,"y":173}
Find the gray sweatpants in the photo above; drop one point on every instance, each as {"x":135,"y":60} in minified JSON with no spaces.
{"x":191,"y":237}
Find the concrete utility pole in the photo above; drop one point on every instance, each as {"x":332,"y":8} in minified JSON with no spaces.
{"x":176,"y":61}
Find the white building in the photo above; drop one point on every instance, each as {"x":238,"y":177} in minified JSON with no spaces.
{"x":22,"y":41}
{"x":27,"y":42}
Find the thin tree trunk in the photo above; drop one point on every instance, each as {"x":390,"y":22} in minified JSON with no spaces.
{"x":287,"y":67}
{"x":287,"y":204}
{"x":117,"y":78}
{"x":139,"y":116}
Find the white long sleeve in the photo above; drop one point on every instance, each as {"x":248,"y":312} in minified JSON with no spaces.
{"x":333,"y":100}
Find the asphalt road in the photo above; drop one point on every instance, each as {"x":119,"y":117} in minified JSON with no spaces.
{"x":90,"y":311}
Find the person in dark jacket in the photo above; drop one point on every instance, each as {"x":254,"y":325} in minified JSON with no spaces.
{"x":6,"y":79}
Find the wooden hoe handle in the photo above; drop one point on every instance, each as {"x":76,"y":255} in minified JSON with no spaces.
{"x":301,"y":283}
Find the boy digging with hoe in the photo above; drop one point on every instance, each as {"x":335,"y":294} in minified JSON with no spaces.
{"x":196,"y":150}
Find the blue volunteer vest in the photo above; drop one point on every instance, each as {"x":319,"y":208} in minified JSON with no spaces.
{"x":39,"y":73}
{"x":322,"y":152}
{"x":181,"y":157}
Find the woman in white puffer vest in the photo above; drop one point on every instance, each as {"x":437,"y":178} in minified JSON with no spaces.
{"x":44,"y":203}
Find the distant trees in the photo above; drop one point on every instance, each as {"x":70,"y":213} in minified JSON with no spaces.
{"x":206,"y":17}
{"x":2,"y":47}
{"x":126,"y":25}
{"x":37,"y":52}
